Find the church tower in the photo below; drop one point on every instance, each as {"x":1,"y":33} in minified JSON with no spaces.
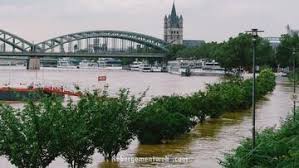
{"x":173,"y":27}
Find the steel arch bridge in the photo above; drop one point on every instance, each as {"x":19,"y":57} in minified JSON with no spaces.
{"x":143,"y":39}
{"x":20,"y":45}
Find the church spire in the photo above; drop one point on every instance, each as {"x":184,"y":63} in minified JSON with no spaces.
{"x":173,"y":11}
{"x":173,"y":27}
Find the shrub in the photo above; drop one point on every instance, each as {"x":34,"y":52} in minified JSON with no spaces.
{"x":274,"y":148}
{"x":75,"y":142}
{"x":163,"y":119}
{"x":110,"y":121}
{"x":170,"y":116}
{"x":28,"y":137}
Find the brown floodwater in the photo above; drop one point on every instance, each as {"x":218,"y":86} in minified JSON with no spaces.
{"x":204,"y":146}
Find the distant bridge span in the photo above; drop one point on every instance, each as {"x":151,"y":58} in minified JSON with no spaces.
{"x":23,"y":45}
{"x":146,"y":40}
{"x":101,"y":43}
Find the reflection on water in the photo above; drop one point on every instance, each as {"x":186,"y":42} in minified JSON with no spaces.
{"x":202,"y":146}
{"x":211,"y":128}
{"x":109,"y":165}
{"x":199,"y":143}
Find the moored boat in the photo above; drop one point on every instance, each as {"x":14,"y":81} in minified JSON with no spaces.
{"x":135,"y":66}
{"x":66,"y":63}
{"x":110,"y":63}
{"x":156,"y":69}
{"x":8,"y":93}
{"x":85,"y":64}
{"x":211,"y":68}
{"x":144,"y":67}
{"x":179,"y":67}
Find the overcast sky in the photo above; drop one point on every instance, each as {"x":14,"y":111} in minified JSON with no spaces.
{"x":210,"y":20}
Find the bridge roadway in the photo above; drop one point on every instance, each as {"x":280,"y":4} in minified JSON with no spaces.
{"x":82,"y":55}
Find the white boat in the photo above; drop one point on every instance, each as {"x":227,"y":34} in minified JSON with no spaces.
{"x":206,"y":72}
{"x":85,"y":64}
{"x":209,"y":69}
{"x":110,"y":63}
{"x":156,"y":69}
{"x":144,"y":67}
{"x":66,"y":63}
{"x":178,"y":67}
{"x":135,"y":66}
{"x":213,"y":65}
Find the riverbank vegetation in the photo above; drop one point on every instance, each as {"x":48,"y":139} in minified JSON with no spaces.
{"x":167,"y":117}
{"x":43,"y":130}
{"x":274,"y":148}
{"x":236,"y":52}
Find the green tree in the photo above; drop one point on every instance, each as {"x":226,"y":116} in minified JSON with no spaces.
{"x":173,"y":50}
{"x":198,"y":104}
{"x":265,"y":54}
{"x":237,"y":52}
{"x":76,"y":145}
{"x":206,"y":51}
{"x":187,"y":53}
{"x":163,"y":119}
{"x":285,"y":50}
{"x":111,"y":120}
{"x":28,"y":135}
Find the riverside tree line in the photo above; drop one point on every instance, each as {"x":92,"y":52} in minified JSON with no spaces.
{"x":41,"y":131}
{"x":236,"y":53}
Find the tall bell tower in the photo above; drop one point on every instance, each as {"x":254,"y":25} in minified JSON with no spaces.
{"x":173,"y":27}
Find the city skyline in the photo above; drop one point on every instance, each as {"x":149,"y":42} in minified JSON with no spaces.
{"x":208,"y":20}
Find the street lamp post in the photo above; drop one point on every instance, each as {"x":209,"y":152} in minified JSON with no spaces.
{"x":294,"y":80}
{"x":254,"y":33}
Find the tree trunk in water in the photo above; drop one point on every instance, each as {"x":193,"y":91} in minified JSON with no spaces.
{"x":202,"y":118}
{"x":109,"y":157}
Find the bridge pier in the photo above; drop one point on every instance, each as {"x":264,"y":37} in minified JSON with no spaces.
{"x":33,"y":63}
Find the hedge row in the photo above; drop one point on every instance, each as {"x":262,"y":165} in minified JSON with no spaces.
{"x":167,"y":117}
{"x":274,"y":148}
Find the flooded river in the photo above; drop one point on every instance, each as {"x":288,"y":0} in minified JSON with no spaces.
{"x":202,"y":147}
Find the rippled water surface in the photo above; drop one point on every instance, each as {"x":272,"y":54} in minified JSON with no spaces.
{"x":202,"y":147}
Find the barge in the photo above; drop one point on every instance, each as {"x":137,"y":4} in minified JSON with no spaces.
{"x":22,"y":93}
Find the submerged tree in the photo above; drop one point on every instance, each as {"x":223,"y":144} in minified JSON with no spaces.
{"x":111,"y":119}
{"x":162,"y":119}
{"x":76,"y":146}
{"x":28,"y":138}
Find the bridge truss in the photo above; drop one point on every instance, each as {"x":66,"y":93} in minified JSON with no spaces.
{"x":106,"y":43}
{"x":15,"y":42}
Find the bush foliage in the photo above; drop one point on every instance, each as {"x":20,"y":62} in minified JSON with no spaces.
{"x":274,"y":148}
{"x":167,"y":117}
{"x":45,"y":129}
